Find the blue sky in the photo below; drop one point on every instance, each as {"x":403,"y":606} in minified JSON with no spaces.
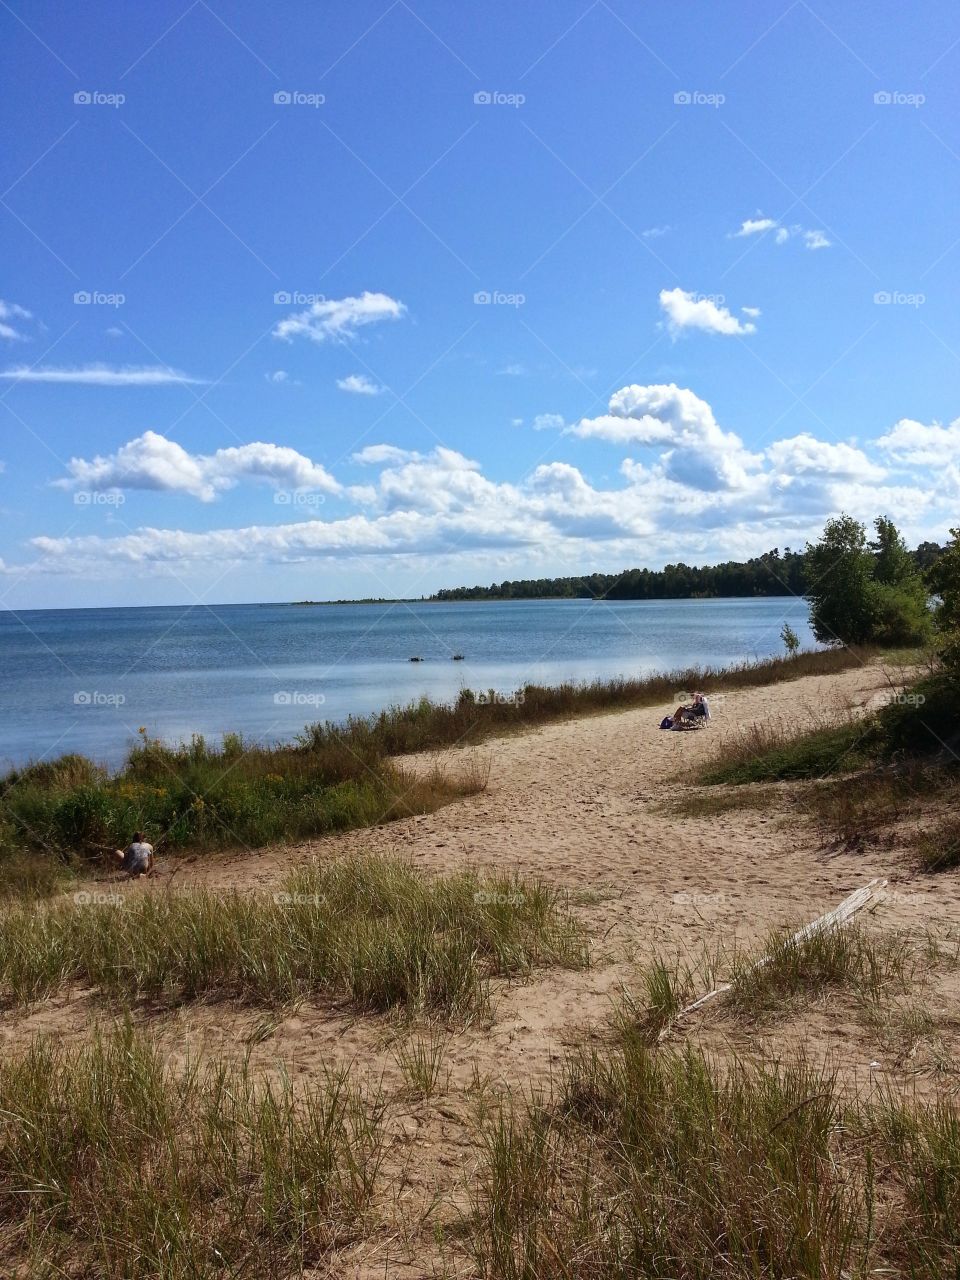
{"x":372,"y":298}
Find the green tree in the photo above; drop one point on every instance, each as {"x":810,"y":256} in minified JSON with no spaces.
{"x":790,"y":639}
{"x":944,"y":579}
{"x":839,"y":571}
{"x":901,"y":612}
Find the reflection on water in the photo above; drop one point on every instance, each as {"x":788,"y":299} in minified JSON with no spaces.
{"x":86,"y":680}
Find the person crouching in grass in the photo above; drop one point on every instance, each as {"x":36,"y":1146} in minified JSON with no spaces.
{"x":137,"y":859}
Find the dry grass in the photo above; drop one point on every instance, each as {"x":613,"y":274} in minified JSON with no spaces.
{"x":373,"y":931}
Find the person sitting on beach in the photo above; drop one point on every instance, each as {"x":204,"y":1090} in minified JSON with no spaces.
{"x":698,"y":710}
{"x":137,"y":859}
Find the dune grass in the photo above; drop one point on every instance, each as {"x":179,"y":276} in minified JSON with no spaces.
{"x":116,"y":1166}
{"x":672,"y":1163}
{"x":368,"y":930}
{"x":237,"y":794}
{"x":426,"y":725}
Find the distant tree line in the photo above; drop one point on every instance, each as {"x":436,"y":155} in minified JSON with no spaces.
{"x":774,"y":574}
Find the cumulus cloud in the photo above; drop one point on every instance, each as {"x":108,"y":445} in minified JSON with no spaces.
{"x":811,"y":239}
{"x":693,"y":490}
{"x":359,"y":384}
{"x":918,"y":444}
{"x":336,"y":319}
{"x":804,"y":455}
{"x":102,"y":375}
{"x":151,"y":461}
{"x":11,"y":312}
{"x":685,"y":310}
{"x":698,"y":452}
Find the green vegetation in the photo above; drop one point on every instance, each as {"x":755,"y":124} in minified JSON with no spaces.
{"x":116,"y":1166}
{"x":473,"y":717}
{"x":369,"y":930}
{"x":238,"y":794}
{"x":659,"y":1163}
{"x":772,"y":574}
{"x":776,"y":751}
{"x":862,"y":593}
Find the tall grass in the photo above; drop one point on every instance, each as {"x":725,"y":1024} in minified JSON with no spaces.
{"x":238,"y":794}
{"x":662,"y":1164}
{"x":116,"y":1166}
{"x":425,"y":725}
{"x":369,"y":930}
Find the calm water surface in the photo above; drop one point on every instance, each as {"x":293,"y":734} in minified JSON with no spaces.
{"x":86,"y":679}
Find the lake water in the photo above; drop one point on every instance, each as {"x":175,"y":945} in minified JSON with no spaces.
{"x":86,"y":679}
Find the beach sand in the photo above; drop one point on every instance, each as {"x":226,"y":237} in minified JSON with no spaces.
{"x":596,"y":807}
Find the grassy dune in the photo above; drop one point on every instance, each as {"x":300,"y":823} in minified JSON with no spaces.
{"x":371,"y":931}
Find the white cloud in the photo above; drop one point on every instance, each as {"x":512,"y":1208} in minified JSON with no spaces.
{"x":917,"y":444}
{"x":379,"y":454}
{"x":654,"y":233}
{"x":685,"y":310}
{"x":151,"y":461}
{"x":755,"y":226}
{"x":804,"y":455}
{"x":752,"y":312}
{"x":102,"y":375}
{"x":548,"y":422}
{"x":360,"y":385}
{"x":513,"y":370}
{"x":11,"y":311}
{"x":812,"y":239}
{"x":336,"y":319}
{"x":698,"y":454}
{"x":278,"y":375}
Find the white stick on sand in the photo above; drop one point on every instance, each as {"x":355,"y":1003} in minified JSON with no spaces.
{"x":832,"y":920}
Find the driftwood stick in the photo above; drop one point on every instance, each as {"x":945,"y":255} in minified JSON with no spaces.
{"x":823,"y":924}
